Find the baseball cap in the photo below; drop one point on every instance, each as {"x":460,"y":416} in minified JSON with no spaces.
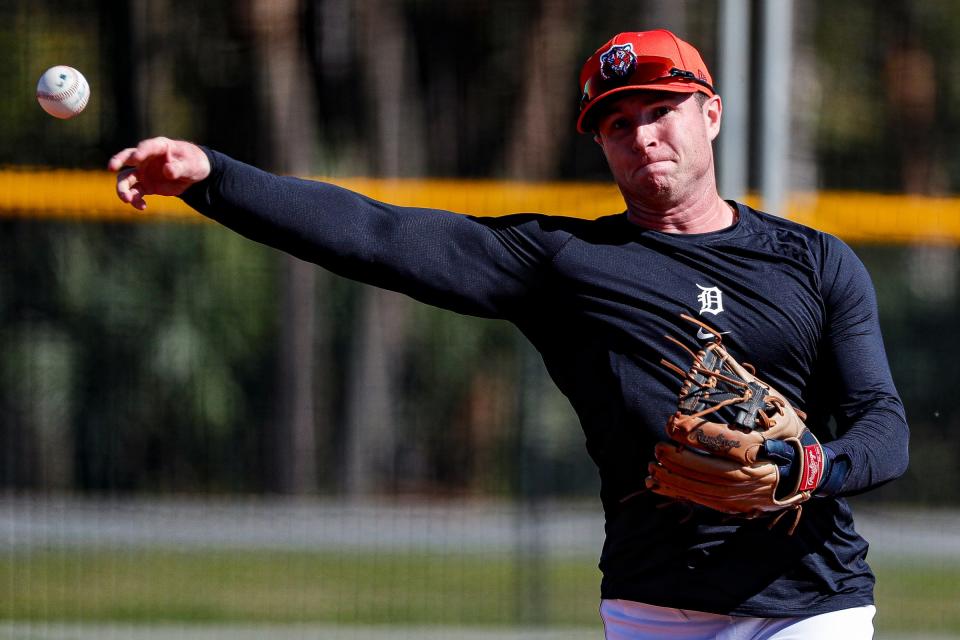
{"x":655,"y":60}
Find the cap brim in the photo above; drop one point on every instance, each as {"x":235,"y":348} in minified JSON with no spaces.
{"x":668,"y":87}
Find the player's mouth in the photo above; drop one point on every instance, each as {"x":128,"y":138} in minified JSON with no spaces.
{"x":650,"y":166}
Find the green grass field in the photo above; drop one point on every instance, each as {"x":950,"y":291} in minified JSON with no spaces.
{"x":231,"y":586}
{"x":282,"y":587}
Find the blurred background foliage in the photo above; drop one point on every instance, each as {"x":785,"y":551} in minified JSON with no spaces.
{"x":163,"y":357}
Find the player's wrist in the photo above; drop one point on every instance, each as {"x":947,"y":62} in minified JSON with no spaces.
{"x":835,"y":471}
{"x":212,"y":162}
{"x":209,"y":168}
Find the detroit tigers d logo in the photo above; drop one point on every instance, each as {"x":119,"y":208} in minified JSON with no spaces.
{"x":710,"y":299}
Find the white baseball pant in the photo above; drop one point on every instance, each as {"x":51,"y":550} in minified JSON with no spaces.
{"x":625,"y":620}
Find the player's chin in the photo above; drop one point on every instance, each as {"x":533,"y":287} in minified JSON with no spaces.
{"x":652,"y":185}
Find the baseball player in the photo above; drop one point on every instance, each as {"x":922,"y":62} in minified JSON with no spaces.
{"x":716,"y":526}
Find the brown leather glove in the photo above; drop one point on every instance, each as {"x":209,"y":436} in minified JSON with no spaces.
{"x":753,"y":457}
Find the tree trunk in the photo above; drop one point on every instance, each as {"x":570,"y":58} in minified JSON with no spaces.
{"x":546,"y":106}
{"x":373,"y":406}
{"x":666,"y":14}
{"x":286,"y":145}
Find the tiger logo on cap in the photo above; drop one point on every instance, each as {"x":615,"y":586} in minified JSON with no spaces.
{"x":619,"y":61}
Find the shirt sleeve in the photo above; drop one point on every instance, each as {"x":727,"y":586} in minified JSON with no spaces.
{"x":487,"y":267}
{"x":872,"y":427}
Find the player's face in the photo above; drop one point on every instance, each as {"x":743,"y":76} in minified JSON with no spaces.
{"x":658,"y":146}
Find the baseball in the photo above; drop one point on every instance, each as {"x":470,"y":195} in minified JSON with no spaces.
{"x":63,"y":91}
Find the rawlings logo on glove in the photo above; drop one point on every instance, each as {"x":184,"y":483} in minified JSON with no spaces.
{"x":738,"y":445}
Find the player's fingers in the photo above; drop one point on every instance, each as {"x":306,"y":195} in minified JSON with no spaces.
{"x":137,"y":194}
{"x":126,"y":179}
{"x":147,"y":150}
{"x":133,"y":156}
{"x":131,"y":190}
{"x":134,"y":195}
{"x":119,"y":160}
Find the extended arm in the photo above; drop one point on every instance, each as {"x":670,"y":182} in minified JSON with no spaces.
{"x":486,"y":267}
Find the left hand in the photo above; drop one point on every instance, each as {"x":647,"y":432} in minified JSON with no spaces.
{"x":732,"y":471}
{"x":762,"y":459}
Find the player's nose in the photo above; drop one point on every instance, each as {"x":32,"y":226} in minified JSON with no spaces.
{"x":644,"y":136}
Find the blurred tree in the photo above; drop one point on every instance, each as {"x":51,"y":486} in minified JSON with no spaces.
{"x":390,"y":78}
{"x":38,"y":396}
{"x":891,"y":112}
{"x":286,"y":143}
{"x":533,"y":146}
{"x":910,"y":91}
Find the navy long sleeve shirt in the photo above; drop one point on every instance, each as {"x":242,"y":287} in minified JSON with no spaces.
{"x":596,"y":298}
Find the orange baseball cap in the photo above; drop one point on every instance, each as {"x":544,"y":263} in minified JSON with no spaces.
{"x":653,"y":60}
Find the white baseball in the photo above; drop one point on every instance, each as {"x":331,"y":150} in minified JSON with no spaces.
{"x":63,"y":92}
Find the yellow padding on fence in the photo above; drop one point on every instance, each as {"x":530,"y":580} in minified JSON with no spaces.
{"x":856,"y":217}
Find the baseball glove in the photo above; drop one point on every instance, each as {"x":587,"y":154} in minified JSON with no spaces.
{"x":737,"y":445}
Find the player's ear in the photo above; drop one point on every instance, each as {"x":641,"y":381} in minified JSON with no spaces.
{"x":712,"y":115}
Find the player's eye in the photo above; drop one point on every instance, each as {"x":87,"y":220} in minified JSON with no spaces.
{"x":660,"y":112}
{"x":618,"y":124}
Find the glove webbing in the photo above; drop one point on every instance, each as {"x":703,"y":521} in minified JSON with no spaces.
{"x":712,"y":384}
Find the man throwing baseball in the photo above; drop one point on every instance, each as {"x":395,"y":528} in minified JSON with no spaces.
{"x":723,"y":483}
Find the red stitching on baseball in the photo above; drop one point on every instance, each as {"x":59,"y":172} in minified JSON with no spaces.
{"x":63,"y":95}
